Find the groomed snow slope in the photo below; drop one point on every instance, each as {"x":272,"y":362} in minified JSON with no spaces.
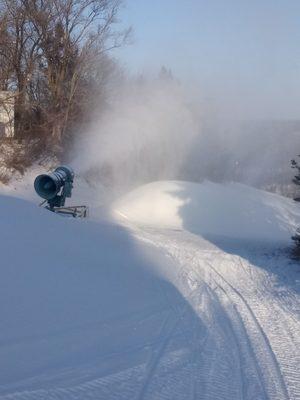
{"x":233,"y":247}
{"x":148,"y":307}
{"x":231,"y":210}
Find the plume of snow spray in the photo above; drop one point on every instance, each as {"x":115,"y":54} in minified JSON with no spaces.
{"x":144,"y":135}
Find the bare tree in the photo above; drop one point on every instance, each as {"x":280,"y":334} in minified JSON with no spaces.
{"x":50,"y":51}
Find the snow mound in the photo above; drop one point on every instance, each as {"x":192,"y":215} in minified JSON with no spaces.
{"x":93,"y":310}
{"x":231,"y":210}
{"x":68,"y":289}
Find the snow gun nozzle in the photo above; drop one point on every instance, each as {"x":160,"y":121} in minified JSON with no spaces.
{"x":56,"y":186}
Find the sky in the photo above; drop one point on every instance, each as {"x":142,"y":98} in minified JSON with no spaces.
{"x":240,"y":57}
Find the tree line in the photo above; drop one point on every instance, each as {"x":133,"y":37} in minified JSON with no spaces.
{"x":54,"y":60}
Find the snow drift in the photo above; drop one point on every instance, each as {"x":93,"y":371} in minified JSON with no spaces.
{"x":89,"y":310}
{"x":70,"y":294}
{"x":231,"y":210}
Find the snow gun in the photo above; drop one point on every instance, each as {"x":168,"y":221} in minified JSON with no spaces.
{"x":55,"y":187}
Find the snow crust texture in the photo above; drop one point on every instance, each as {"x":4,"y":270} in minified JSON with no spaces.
{"x":189,"y":293}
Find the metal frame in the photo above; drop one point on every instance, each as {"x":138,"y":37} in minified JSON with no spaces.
{"x":72,"y":211}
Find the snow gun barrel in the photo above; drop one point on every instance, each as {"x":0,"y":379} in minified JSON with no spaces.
{"x":48,"y":186}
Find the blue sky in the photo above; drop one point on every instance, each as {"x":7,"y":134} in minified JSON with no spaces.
{"x":244,"y":56}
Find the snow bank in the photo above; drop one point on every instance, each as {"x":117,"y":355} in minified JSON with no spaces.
{"x":231,"y":210}
{"x":70,"y":292}
{"x":88,"y":311}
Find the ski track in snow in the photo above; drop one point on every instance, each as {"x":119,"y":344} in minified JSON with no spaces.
{"x":238,"y":340}
{"x":263,"y":330}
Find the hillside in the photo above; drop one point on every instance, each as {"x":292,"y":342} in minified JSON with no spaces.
{"x":233,"y":210}
{"x":159,"y":300}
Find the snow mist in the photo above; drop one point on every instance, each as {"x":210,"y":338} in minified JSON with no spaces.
{"x":144,"y":135}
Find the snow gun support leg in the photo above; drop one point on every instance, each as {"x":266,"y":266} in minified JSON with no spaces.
{"x":72,"y":211}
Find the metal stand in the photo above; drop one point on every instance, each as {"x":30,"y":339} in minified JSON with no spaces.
{"x":72,"y":211}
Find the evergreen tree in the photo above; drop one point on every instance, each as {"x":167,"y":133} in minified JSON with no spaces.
{"x":295,"y":165}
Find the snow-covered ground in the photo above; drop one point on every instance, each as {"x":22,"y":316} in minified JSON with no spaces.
{"x":186,"y":291}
